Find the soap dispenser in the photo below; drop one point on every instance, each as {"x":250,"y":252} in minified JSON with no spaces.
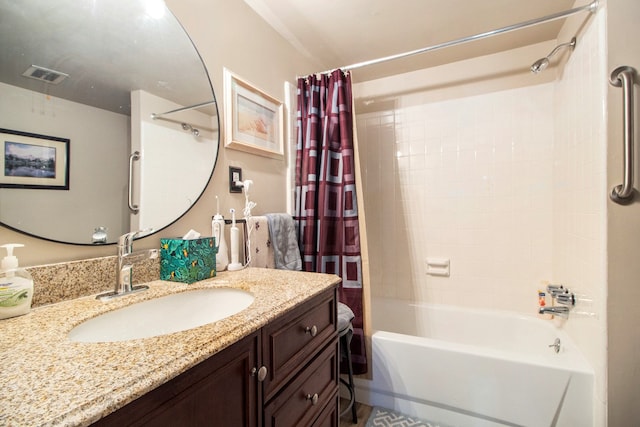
{"x":16,"y":285}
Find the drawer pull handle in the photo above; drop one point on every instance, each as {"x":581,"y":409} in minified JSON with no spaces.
{"x":313,"y":331}
{"x":260,"y":373}
{"x":313,"y":398}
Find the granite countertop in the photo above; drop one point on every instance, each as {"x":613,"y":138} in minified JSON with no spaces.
{"x":48,"y":380}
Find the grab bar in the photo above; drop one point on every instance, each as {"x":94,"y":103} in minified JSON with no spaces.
{"x":624,"y":77}
{"x":133,"y":156}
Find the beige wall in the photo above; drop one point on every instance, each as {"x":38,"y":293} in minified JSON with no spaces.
{"x":228,"y":34}
{"x":623,"y":229}
{"x":55,"y":214}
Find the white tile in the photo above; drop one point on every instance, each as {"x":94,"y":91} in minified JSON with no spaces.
{"x":508,"y":184}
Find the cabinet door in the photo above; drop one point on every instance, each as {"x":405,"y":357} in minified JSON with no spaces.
{"x":218,"y":392}
{"x":291,"y":341}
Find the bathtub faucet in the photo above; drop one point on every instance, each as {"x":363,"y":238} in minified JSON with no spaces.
{"x":557,"y":311}
{"x":562,"y":296}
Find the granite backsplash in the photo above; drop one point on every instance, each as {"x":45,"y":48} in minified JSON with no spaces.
{"x":69,"y":280}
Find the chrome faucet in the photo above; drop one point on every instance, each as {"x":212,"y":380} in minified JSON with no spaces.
{"x":126,"y":259}
{"x":556,"y":311}
{"x":564,"y":297}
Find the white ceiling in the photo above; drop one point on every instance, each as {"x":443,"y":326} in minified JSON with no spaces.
{"x":336,"y":33}
{"x":333,"y":33}
{"x":107,"y":47}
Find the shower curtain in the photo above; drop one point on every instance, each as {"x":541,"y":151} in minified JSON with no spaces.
{"x":326,"y":208}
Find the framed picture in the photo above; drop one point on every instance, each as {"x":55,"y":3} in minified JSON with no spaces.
{"x":253,"y":119}
{"x":29,"y":160}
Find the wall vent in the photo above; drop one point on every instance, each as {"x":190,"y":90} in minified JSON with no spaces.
{"x":44,"y":74}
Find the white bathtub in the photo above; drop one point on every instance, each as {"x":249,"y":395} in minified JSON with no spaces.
{"x":464,"y":367}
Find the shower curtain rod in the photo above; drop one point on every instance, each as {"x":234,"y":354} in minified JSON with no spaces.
{"x":591,"y":7}
{"x":182,"y":122}
{"x":177,"y":110}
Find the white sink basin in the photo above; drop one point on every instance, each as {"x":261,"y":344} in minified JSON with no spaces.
{"x":163,"y":315}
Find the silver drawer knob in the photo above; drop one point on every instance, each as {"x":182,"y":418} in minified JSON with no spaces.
{"x":313,"y":330}
{"x":260,"y":373}
{"x":313,"y":398}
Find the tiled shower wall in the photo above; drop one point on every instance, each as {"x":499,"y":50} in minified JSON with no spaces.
{"x":580,"y":196}
{"x":510,"y":186}
{"x":468,"y":179}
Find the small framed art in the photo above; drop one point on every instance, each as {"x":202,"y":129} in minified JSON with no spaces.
{"x":30,"y":160}
{"x":254,"y":120}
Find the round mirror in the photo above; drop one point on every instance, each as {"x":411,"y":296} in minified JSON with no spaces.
{"x":109,"y":121}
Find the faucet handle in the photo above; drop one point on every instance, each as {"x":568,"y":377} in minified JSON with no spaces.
{"x":555,"y":290}
{"x":127,"y":238}
{"x":566,"y":298}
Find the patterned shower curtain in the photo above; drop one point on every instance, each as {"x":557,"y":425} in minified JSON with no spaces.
{"x":326,"y":208}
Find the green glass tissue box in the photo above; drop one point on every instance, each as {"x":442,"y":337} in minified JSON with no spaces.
{"x":187,"y":260}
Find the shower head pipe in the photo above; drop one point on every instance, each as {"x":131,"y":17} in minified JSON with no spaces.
{"x":543,"y":63}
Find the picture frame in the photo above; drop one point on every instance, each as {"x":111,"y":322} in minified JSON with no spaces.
{"x":253,"y":119}
{"x":33,"y":161}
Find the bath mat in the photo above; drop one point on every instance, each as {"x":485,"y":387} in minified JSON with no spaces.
{"x":381,"y":417}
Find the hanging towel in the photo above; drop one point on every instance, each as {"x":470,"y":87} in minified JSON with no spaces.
{"x":345,"y":319}
{"x":282,"y":231}
{"x":261,"y":248}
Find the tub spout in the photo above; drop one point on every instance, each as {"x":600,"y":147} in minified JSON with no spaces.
{"x":557,"y":311}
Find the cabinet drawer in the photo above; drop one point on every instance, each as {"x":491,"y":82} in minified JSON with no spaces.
{"x":329,"y":417}
{"x":289,"y":343}
{"x":302,"y":401}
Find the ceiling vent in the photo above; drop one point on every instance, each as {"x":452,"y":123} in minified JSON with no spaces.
{"x":44,"y":74}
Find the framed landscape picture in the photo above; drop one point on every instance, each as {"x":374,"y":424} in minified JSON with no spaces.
{"x":29,"y":160}
{"x":254,"y":120}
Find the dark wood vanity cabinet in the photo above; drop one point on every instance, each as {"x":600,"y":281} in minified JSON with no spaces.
{"x":285,"y":374}
{"x":217,"y":392}
{"x":300,"y":352}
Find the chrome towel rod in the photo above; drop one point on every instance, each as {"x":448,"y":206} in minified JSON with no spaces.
{"x":625,"y":77}
{"x":591,"y":7}
{"x":177,"y":110}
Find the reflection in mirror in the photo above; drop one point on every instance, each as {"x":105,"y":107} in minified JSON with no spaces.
{"x":114,"y":78}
